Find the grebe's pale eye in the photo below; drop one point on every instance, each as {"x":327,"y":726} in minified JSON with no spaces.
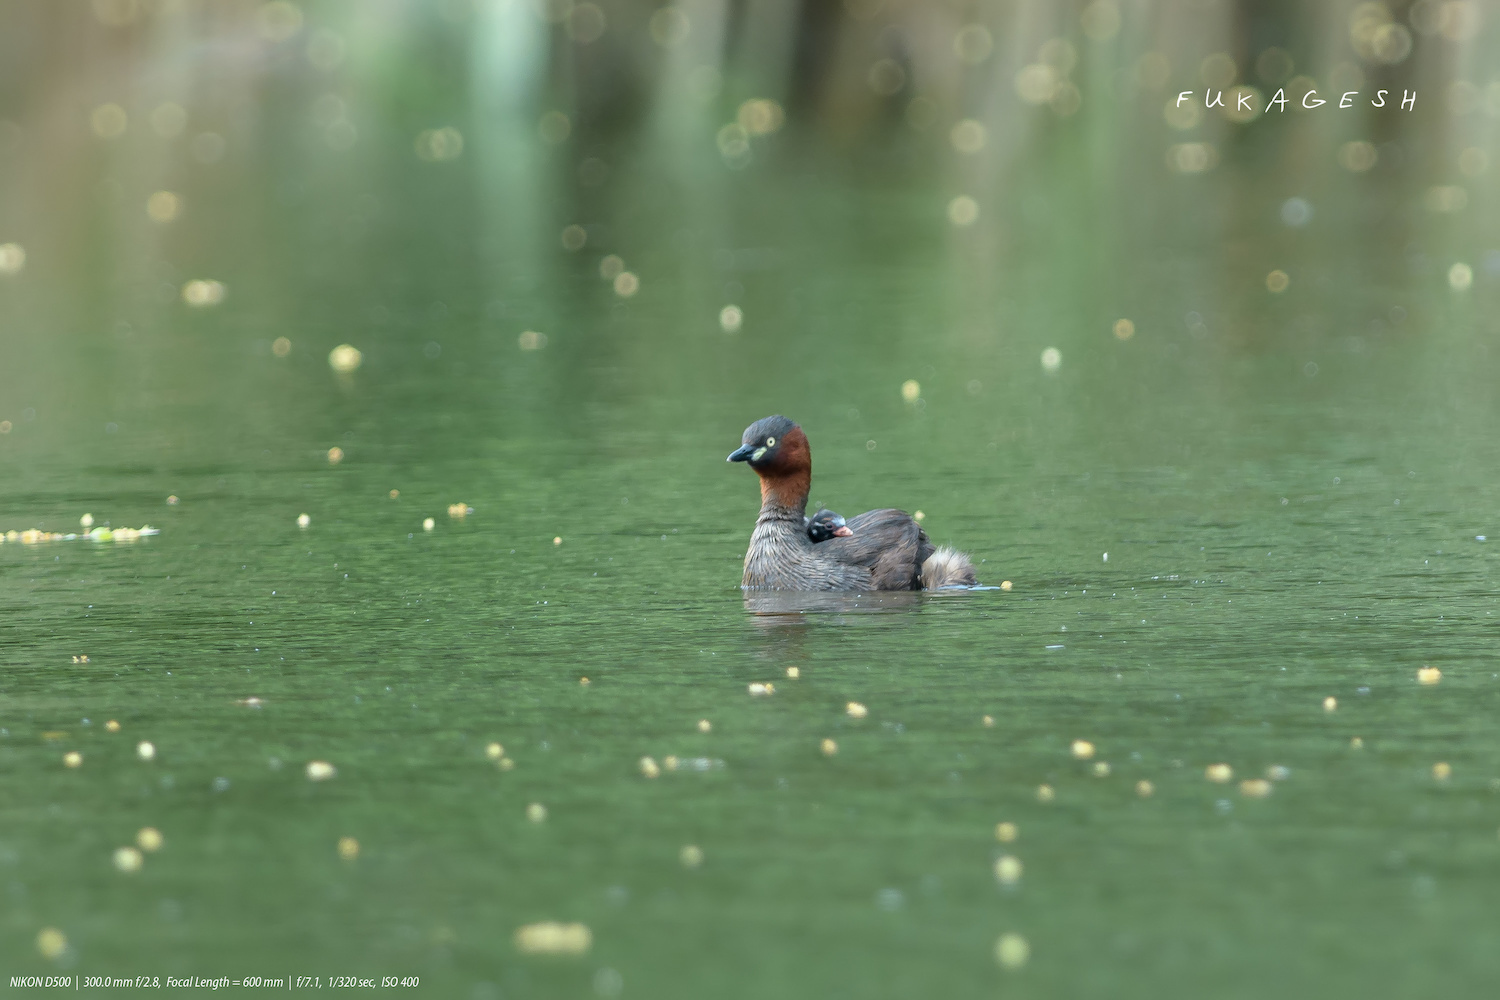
{"x":770,"y":442}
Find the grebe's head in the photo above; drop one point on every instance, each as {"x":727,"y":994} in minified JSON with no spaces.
{"x":825,"y":524}
{"x":774,"y":446}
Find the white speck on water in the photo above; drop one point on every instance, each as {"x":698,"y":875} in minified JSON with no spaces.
{"x":1056,"y":647}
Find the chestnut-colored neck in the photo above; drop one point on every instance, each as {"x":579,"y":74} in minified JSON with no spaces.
{"x":786,"y":490}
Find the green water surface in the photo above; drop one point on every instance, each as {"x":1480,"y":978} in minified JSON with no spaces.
{"x":1289,"y":490}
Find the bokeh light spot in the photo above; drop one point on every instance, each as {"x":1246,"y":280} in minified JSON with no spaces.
{"x":963,"y":211}
{"x":163,"y":206}
{"x":345,"y":359}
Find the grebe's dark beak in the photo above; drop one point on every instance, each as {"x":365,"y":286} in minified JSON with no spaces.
{"x":741,"y":454}
{"x":842,"y":531}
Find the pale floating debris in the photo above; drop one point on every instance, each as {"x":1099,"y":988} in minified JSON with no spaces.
{"x":1124,"y":329}
{"x":12,"y":258}
{"x":1429,"y":675}
{"x":459,"y":510}
{"x":173,"y":501}
{"x":1008,"y":869}
{"x":793,"y":673}
{"x":1006,"y":833}
{"x":574,"y":237}
{"x":251,"y":702}
{"x":963,"y":211}
{"x":1277,"y":772}
{"x":611,"y":267}
{"x":320,"y":770}
{"x":128,"y":859}
{"x":1442,"y":771}
{"x":1101,"y":769}
{"x":149,"y":838}
{"x":428,"y":524}
{"x":1006,"y":584}
{"x":557,"y":540}
{"x":553,"y":938}
{"x":1082,"y":749}
{"x":759,"y":115}
{"x":1330,"y":704}
{"x":584,"y":682}
{"x":72,"y":759}
{"x":691,"y":856}
{"x":987,"y":722}
{"x":33,"y":536}
{"x":829,"y":748}
{"x":669,"y":762}
{"x":81,"y":659}
{"x":919,"y":517}
{"x":910,"y":390}
{"x":1277,"y":282}
{"x":112,"y":726}
{"x":505,"y":764}
{"x":335,"y":455}
{"x":1255,"y":788}
{"x":536,"y":812}
{"x":494,"y":751}
{"x":1356,"y":743}
{"x":758,"y":689}
{"x":855,"y":710}
{"x":200,"y":293}
{"x":145,"y":750}
{"x":649,"y":768}
{"x":1012,"y":951}
{"x":1219,"y":773}
{"x":163,"y":207}
{"x":705,"y":726}
{"x":281,"y":347}
{"x":393,"y":494}
{"x":303,"y":520}
{"x":1052,"y":359}
{"x":51,"y":943}
{"x":348,"y":848}
{"x":531,"y":340}
{"x":626,"y":284}
{"x":1145,"y":789}
{"x":345,"y":359}
{"x":87,"y":520}
{"x":1044,"y":793}
{"x":731,"y":318}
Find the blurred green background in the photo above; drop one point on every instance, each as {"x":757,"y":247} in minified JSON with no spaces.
{"x":487,"y":289}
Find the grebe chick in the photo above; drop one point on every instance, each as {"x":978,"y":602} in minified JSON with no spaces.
{"x":825,"y":524}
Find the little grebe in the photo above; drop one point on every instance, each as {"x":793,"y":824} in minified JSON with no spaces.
{"x":825,"y":524}
{"x":885,"y":549}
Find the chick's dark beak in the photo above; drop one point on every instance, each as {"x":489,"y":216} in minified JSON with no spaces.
{"x":842,"y":531}
{"x":741,"y":454}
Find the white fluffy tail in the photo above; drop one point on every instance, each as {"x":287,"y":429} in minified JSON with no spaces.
{"x":947,"y":568}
